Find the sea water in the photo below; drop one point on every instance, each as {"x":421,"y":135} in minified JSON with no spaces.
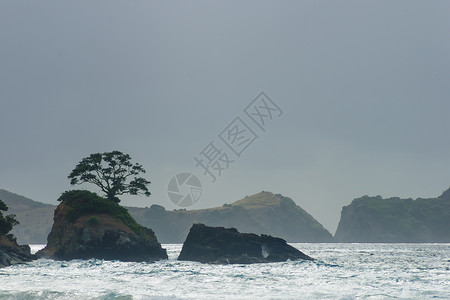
{"x":340,"y":271}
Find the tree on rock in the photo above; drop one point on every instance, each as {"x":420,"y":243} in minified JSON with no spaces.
{"x":6,"y":222}
{"x":113,"y":173}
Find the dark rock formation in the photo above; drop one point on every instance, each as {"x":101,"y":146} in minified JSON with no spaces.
{"x":11,"y":253}
{"x":395,"y":220}
{"x":87,"y":226}
{"x":219,"y":245}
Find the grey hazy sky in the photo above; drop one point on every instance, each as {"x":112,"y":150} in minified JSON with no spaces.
{"x":365,"y":87}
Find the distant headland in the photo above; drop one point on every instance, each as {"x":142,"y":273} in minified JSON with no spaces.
{"x":366,"y":219}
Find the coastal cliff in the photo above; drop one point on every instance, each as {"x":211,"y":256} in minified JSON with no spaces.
{"x":395,"y":220}
{"x":88,"y":226}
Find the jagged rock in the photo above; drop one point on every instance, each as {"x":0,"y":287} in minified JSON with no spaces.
{"x":11,"y":253}
{"x":82,"y":233}
{"x":219,"y":245}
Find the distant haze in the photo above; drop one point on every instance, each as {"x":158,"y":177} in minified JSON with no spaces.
{"x":364,"y":87}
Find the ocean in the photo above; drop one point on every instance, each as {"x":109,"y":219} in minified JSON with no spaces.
{"x":340,"y":271}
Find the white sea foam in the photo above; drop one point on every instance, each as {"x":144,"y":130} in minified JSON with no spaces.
{"x":341,"y":271}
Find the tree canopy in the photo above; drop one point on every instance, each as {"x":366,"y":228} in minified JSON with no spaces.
{"x":113,"y":172}
{"x":6,"y":222}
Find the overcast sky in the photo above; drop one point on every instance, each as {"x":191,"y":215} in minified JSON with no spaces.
{"x":364,"y":87}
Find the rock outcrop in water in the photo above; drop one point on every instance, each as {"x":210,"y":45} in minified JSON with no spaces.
{"x":219,"y":245}
{"x":395,"y":220}
{"x":88,"y":226}
{"x":11,"y":253}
